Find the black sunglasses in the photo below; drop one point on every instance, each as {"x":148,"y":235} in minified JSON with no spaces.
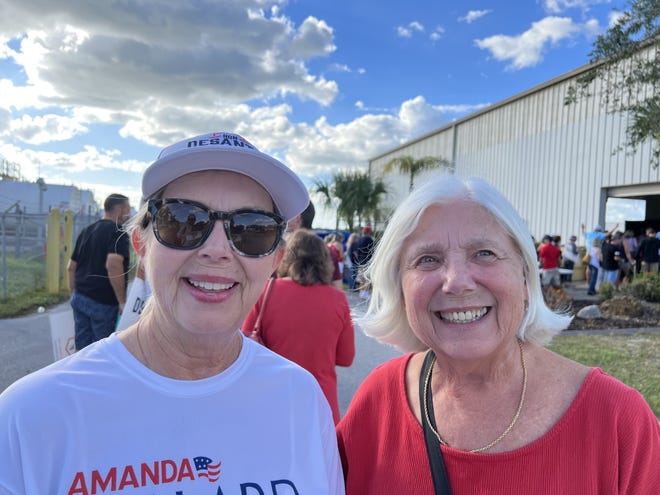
{"x":185,"y":224}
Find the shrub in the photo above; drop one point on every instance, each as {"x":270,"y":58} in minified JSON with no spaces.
{"x":606,"y":291}
{"x":645,"y":287}
{"x":624,"y":305}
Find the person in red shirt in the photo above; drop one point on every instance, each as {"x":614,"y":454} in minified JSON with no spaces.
{"x":549,"y":256}
{"x":306,"y":319}
{"x":333,"y":241}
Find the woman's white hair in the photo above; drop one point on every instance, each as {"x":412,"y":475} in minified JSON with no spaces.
{"x":385,"y":318}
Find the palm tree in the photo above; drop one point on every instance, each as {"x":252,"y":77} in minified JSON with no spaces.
{"x":335,"y":194}
{"x":358,"y":196}
{"x":369,"y":193}
{"x":408,"y":165}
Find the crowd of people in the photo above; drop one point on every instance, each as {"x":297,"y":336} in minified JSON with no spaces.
{"x":226,"y":372}
{"x":613,"y":257}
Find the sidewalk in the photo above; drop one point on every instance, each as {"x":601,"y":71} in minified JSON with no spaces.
{"x":578,"y":291}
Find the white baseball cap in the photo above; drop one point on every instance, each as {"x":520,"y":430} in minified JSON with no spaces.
{"x":227,"y":151}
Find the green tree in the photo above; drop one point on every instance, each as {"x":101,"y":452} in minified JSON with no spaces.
{"x":407,"y":165}
{"x":627,"y":64}
{"x":334,"y":195}
{"x":355,"y":194}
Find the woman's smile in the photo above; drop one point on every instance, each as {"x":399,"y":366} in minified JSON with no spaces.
{"x":463,"y":316}
{"x":210,"y":286}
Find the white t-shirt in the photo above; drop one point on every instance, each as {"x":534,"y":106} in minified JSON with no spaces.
{"x":139,"y":293}
{"x":99,"y":422}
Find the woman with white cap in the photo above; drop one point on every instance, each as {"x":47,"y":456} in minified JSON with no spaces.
{"x":181,"y":402}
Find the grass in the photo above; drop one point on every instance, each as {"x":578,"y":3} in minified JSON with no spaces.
{"x":26,"y":286}
{"x":24,"y":275}
{"x":26,"y":280}
{"x":29,"y":302}
{"x":633,"y":359}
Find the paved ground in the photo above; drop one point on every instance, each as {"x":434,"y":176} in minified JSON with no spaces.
{"x":25,"y":346}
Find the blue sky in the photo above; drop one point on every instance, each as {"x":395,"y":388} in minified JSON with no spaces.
{"x":89,"y":91}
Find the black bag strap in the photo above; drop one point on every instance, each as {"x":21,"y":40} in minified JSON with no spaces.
{"x":438,"y":470}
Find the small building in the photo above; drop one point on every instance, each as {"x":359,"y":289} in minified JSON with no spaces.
{"x":39,"y":197}
{"x":24,"y":208}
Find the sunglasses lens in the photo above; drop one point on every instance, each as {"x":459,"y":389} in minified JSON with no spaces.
{"x":181,"y":225}
{"x":253,"y":233}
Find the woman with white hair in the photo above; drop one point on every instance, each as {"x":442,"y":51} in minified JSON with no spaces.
{"x":477,"y":403}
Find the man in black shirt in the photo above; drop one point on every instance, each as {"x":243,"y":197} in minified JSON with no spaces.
{"x":612,"y":256}
{"x":360,"y":254}
{"x":649,"y":252}
{"x":98,"y":273}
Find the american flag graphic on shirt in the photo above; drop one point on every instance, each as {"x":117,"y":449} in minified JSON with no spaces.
{"x":206,"y":469}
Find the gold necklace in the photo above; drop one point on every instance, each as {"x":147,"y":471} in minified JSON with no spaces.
{"x":427,"y":383}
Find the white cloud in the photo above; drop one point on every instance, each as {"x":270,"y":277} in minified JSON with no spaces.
{"x":526,"y":49}
{"x":158,"y":72}
{"x":339,"y":68}
{"x":312,"y":150}
{"x":420,"y":116}
{"x":46,"y":128}
{"x":58,"y":166}
{"x":417,"y":26}
{"x":165,"y":50}
{"x":614,"y":18}
{"x":18,"y":97}
{"x":322,"y":149}
{"x":591,"y":28}
{"x":437,"y":33}
{"x":559,"y":6}
{"x":408,"y":30}
{"x":345,"y":68}
{"x":473,"y":15}
{"x":313,"y":36}
{"x":5,"y":119}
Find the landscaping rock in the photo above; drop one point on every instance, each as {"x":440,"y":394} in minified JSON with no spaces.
{"x":591,"y":312}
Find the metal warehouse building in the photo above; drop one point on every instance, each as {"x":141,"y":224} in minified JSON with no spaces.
{"x":554,"y":162}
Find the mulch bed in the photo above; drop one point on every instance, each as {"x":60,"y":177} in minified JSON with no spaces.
{"x":650,"y":318}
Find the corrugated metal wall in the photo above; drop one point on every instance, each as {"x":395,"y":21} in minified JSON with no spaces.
{"x":553,"y":161}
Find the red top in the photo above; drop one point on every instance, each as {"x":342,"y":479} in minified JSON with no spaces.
{"x":549,"y":255}
{"x":310,"y":326}
{"x":607,"y":442}
{"x":336,"y":259}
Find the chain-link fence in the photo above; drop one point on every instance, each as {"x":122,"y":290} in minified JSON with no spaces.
{"x":25,"y":239}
